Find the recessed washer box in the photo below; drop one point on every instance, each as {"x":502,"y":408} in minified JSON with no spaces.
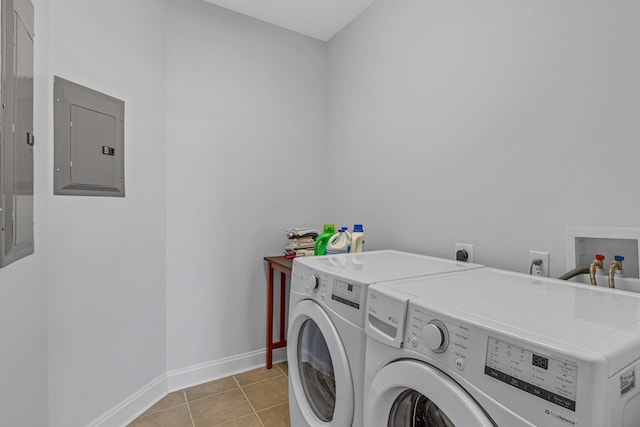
{"x":583,"y":243}
{"x":88,"y":141}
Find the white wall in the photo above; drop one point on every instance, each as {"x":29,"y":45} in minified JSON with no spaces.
{"x":496,"y":123}
{"x":246,"y":132}
{"x":236,"y":184}
{"x":23,"y":284}
{"x":107,"y":290}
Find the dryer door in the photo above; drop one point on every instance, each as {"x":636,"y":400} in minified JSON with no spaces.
{"x":319,"y":373}
{"x":414,"y":394}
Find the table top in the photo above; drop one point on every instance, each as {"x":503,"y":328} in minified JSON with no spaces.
{"x":282,"y":261}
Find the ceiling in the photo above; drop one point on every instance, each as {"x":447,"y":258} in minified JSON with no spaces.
{"x":320,"y":19}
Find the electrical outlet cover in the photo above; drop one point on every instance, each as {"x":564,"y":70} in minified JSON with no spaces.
{"x":544,"y":256}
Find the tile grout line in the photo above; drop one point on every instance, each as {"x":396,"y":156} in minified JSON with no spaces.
{"x":274,"y":406}
{"x":145,"y":414}
{"x":249,"y":402}
{"x":184,"y":393}
{"x":209,"y":396}
{"x":282,"y":374}
{"x":168,"y":408}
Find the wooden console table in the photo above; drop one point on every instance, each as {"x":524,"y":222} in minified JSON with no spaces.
{"x":284,"y":266}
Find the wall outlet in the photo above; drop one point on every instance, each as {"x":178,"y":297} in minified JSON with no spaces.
{"x":463,"y":252}
{"x":539,"y":263}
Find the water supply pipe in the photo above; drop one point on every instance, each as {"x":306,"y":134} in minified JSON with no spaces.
{"x":575,"y":272}
{"x":613,"y":267}
{"x":595,"y":265}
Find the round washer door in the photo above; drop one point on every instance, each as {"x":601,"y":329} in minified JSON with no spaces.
{"x":414,"y":394}
{"x":319,"y":372}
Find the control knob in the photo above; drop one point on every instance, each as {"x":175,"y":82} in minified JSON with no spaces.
{"x":435,"y":336}
{"x":313,"y":283}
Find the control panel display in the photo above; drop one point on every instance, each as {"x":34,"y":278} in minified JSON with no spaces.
{"x":540,"y":361}
{"x":546,"y":377}
{"x":347,"y":293}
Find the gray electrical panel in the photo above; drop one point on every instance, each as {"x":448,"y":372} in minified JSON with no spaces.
{"x":88,"y":141}
{"x":16,"y":131}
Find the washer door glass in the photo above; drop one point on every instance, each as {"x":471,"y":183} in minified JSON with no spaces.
{"x":316,"y":371}
{"x":412,"y":409}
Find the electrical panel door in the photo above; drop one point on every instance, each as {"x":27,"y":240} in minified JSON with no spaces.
{"x":88,"y":141}
{"x":17,"y":140}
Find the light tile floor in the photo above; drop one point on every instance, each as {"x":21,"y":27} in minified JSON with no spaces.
{"x":257,"y":398}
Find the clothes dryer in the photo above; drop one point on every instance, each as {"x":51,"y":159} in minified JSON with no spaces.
{"x":494,"y":348}
{"x":326,"y":339}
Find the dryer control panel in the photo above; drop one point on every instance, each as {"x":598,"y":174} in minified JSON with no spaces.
{"x":346,"y":298}
{"x":347,"y":293}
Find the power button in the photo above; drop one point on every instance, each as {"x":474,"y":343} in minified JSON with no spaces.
{"x":460,"y":364}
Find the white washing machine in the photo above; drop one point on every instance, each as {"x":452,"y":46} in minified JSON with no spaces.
{"x":494,"y":348}
{"x":326,"y":339}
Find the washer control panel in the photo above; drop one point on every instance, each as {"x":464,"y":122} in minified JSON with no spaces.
{"x":474,"y":353}
{"x":541,"y":375}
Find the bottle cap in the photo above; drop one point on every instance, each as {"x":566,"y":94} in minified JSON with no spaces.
{"x":357,"y":228}
{"x":618,"y":258}
{"x":329,"y":228}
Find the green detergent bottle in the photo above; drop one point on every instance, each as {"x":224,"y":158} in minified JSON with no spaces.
{"x":320,"y":247}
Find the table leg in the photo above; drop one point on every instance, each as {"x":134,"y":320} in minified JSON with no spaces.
{"x":270,"y":318}
{"x":283,"y":306}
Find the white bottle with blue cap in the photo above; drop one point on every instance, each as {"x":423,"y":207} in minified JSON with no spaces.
{"x":357,"y":239}
{"x":339,"y":243}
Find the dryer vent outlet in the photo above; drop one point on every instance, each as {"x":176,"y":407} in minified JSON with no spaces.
{"x":463,"y":252}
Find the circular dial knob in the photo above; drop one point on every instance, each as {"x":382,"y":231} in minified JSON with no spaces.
{"x":435,"y":336}
{"x":313,"y":282}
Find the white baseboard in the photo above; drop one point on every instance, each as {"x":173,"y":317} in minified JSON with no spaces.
{"x":209,"y":371}
{"x":177,"y":379}
{"x":132,"y":407}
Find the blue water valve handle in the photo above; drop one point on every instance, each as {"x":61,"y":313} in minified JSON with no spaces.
{"x":618,"y":258}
